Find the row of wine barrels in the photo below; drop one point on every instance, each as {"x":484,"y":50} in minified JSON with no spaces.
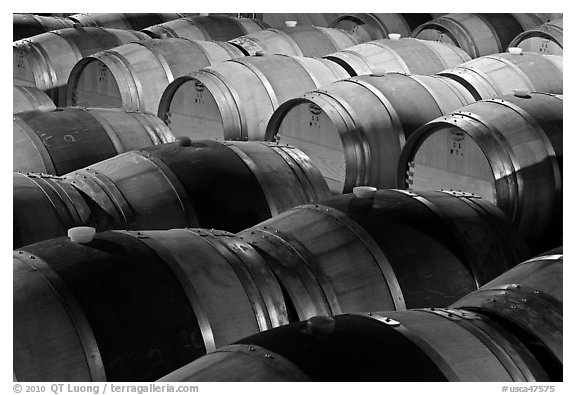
{"x":134,"y":76}
{"x":348,"y":254}
{"x":65,"y":139}
{"x":377,"y":26}
{"x":207,"y":28}
{"x":501,"y":74}
{"x":509,"y":330}
{"x":134,"y":306}
{"x":405,"y":56}
{"x":46,"y":60}
{"x":477,"y":34}
{"x":354,"y":129}
{"x":545,"y":39}
{"x":235,"y":99}
{"x":126,"y":21}
{"x":26,"y":25}
{"x":297,"y":41}
{"x":275,"y":19}
{"x":507,"y":150}
{"x":30,"y":98}
{"x":528,"y":300}
{"x":228,"y":186}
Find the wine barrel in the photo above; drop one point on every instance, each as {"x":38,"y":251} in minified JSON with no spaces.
{"x":354,"y":129}
{"x":235,"y":99}
{"x":428,"y":345}
{"x":208,"y":28}
{"x":130,"y":21}
{"x":545,"y":39}
{"x":408,"y":56}
{"x":134,"y":306}
{"x":27,"y":25}
{"x":46,"y":60}
{"x":297,"y":41}
{"x":45,"y":206}
{"x":60,"y":141}
{"x":477,"y":34}
{"x":377,"y":26}
{"x":528,"y":300}
{"x":133,"y":76}
{"x":275,"y":19}
{"x":507,"y":150}
{"x":347,"y":254}
{"x":29,"y":98}
{"x":496,"y":75}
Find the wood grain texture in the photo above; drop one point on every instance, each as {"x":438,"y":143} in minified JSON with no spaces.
{"x":26,"y":98}
{"x":546,"y":39}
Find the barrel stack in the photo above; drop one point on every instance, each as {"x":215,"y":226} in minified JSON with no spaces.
{"x":287,"y":197}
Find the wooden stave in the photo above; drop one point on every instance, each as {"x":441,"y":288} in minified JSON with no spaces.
{"x":27,"y":98}
{"x":512,"y":192}
{"x":241,"y":119}
{"x":367,"y":138}
{"x":119,"y":63}
{"x":117,"y":131}
{"x":552,"y":31}
{"x":217,"y":312}
{"x":277,"y":20}
{"x":27,"y":25}
{"x":128,"y":21}
{"x":380,"y":25}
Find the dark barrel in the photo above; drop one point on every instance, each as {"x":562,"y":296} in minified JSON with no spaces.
{"x":477,"y":34}
{"x":427,"y":345}
{"x":528,"y":301}
{"x":348,"y":254}
{"x":133,"y":76}
{"x":507,"y":150}
{"x":30,"y":98}
{"x":546,"y":39}
{"x":127,"y":21}
{"x":407,"y":55}
{"x":65,"y":139}
{"x":28,"y":25}
{"x":496,"y":75}
{"x":46,"y":60}
{"x":235,"y":99}
{"x":209,"y":28}
{"x":134,"y":306}
{"x":354,"y":129}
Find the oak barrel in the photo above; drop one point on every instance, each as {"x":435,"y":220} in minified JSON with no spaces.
{"x":208,"y":28}
{"x":477,"y":34}
{"x":348,"y":254}
{"x":377,"y":26}
{"x":30,"y":98}
{"x":133,"y":76}
{"x":410,"y":56}
{"x":297,"y":41}
{"x":134,"y":306}
{"x":507,"y":150}
{"x":276,"y":19}
{"x":426,"y":345}
{"x":235,"y":99}
{"x":495,"y":75}
{"x":28,"y":25}
{"x":127,"y":21}
{"x":354,"y":129}
{"x":545,"y":39}
{"x":65,"y":139}
{"x":46,"y":60}
{"x":528,"y":300}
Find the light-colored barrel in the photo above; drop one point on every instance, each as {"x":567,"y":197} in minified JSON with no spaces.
{"x":410,"y":56}
{"x":30,"y":98}
{"x":496,"y":75}
{"x":63,"y":140}
{"x":297,"y":41}
{"x":133,"y":76}
{"x":275,"y":19}
{"x":546,"y":39}
{"x":354,"y":129}
{"x":28,"y":25}
{"x":507,"y":150}
{"x":208,"y":28}
{"x":46,"y":60}
{"x":477,"y":34}
{"x":126,"y":21}
{"x":134,"y":306}
{"x":235,"y":99}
